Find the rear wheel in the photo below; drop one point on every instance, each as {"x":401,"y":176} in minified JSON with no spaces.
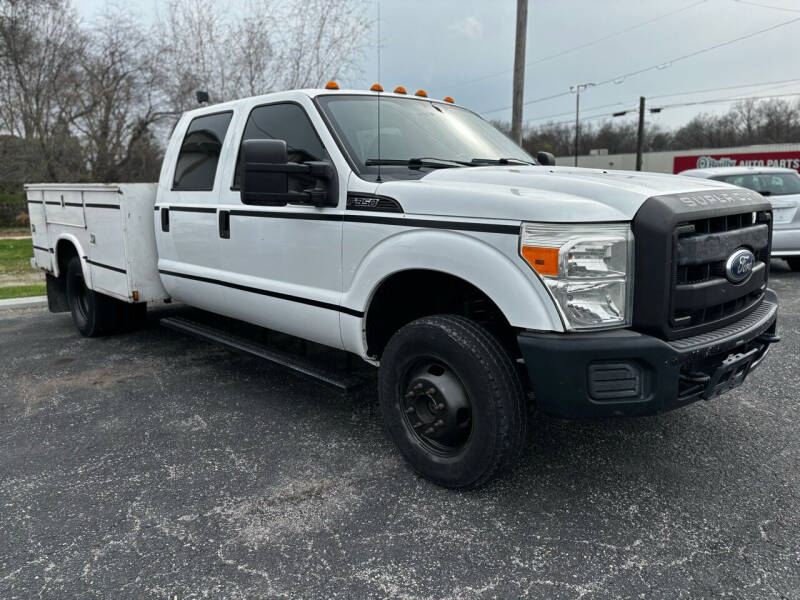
{"x":794,"y":263}
{"x":452,"y":401}
{"x":93,"y":314}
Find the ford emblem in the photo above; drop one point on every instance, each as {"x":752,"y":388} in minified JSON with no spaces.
{"x":739,"y":265}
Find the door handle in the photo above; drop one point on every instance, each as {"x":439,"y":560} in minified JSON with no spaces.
{"x":164,"y":219}
{"x":225,"y":224}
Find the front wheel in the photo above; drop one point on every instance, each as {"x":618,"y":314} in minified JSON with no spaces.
{"x":452,"y":401}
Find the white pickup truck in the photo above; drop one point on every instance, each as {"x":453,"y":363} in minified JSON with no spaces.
{"x":410,"y":232}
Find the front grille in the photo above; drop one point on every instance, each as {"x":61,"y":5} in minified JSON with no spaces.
{"x":701,"y":293}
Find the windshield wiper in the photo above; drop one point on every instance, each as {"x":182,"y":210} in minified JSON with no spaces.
{"x":416,"y":163}
{"x":501,"y":161}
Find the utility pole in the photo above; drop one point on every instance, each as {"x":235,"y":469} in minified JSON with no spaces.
{"x":519,"y":71}
{"x":640,"y":137}
{"x":577,"y":89}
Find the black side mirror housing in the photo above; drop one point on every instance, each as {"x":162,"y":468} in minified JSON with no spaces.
{"x":269,"y":179}
{"x":260,"y":182}
{"x":545,"y":158}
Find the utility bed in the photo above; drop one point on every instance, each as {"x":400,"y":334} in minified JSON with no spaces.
{"x":111,"y":225}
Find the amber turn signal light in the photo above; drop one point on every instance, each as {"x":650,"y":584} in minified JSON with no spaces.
{"x":449,"y":99}
{"x":399,"y":90}
{"x":543,"y":260}
{"x":421,"y":94}
{"x":376,"y":87}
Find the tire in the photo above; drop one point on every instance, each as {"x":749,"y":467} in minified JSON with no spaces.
{"x":794,"y":263}
{"x":93,"y":314}
{"x":466,"y":420}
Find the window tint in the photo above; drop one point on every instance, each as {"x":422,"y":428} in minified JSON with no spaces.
{"x":772,"y":184}
{"x":287,"y":122}
{"x":199,"y":154}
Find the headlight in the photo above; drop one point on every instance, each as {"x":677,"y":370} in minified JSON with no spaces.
{"x":587,"y":269}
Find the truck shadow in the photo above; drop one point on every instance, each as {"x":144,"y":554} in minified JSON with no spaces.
{"x":559,"y":453}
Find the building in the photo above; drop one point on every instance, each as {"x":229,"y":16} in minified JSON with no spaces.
{"x":675,"y":161}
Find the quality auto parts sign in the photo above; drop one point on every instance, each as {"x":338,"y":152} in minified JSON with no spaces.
{"x":789,"y":159}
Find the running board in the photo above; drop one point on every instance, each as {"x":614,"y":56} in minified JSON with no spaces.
{"x":299,"y":364}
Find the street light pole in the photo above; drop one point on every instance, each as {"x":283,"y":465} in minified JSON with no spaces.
{"x":577,"y":89}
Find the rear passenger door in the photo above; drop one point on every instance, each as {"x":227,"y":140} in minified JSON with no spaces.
{"x":186,"y":223}
{"x":283,"y":263}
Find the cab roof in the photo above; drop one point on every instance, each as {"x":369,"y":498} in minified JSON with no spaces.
{"x":308,"y":92}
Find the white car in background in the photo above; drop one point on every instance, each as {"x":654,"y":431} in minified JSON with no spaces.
{"x":781,"y":187}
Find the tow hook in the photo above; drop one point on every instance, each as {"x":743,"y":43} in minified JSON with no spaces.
{"x":769,"y":338}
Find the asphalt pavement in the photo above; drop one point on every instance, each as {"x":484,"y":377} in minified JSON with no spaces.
{"x":151,"y":465}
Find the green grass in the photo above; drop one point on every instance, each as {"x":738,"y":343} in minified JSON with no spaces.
{"x":15,"y":256}
{"x":22,"y":291}
{"x":19,"y":230}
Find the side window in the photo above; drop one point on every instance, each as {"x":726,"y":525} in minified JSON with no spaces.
{"x":199,"y":154}
{"x":288,"y":122}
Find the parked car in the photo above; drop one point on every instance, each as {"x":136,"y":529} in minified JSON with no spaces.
{"x":412,"y":233}
{"x":781,"y":187}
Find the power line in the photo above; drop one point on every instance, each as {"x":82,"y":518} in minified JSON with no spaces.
{"x":574,"y":48}
{"x":634,"y":110}
{"x":569,"y":112}
{"x":663,"y":65}
{"x":794,"y":10}
{"x":687,"y":93}
{"x":723,"y":100}
{"x":719,"y":89}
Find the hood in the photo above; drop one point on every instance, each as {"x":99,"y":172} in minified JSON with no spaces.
{"x":538,"y":193}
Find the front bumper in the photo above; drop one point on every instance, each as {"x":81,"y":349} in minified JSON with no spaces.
{"x":625,"y":373}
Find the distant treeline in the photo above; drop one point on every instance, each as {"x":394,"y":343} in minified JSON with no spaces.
{"x":749,"y":122}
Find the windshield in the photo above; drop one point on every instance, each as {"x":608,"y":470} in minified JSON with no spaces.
{"x":410,"y":129}
{"x":771,"y":184}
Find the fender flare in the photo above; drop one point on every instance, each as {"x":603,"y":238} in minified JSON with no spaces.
{"x":68,"y":237}
{"x":515,"y":289}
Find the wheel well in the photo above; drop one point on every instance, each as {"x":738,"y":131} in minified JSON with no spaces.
{"x":65,"y":250}
{"x":410,"y":295}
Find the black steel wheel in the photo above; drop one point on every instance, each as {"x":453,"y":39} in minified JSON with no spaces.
{"x":436,"y":407}
{"x":452,"y":401}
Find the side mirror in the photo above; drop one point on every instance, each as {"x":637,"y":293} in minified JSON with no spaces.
{"x":545,"y":158}
{"x":269,"y":179}
{"x":261,"y":182}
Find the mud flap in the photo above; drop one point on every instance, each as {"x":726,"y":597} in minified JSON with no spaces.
{"x":56,"y":294}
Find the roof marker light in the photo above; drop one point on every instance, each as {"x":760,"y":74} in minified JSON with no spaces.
{"x":449,"y":99}
{"x":376,"y":87}
{"x":399,"y":90}
{"x":331,"y":85}
{"x":421,"y":94}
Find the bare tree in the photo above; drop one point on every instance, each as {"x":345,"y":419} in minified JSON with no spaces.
{"x":119,"y":74}
{"x":272,"y":45}
{"x":324,"y":43}
{"x":39,"y":45}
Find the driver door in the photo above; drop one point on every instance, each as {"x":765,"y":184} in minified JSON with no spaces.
{"x":283,"y":263}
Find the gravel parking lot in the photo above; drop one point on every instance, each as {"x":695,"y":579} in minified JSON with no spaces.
{"x":151,"y":465}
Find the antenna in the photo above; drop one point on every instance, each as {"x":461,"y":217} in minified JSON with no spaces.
{"x":378,"y":179}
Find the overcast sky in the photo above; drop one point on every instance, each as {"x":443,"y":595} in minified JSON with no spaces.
{"x":444,"y":46}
